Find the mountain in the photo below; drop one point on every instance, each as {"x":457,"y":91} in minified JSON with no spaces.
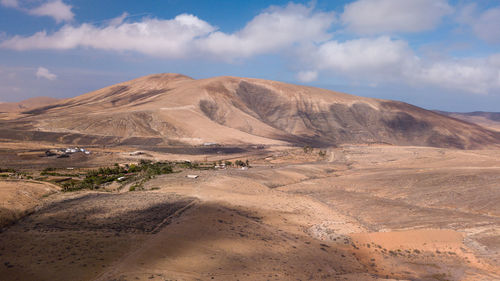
{"x":489,"y":120}
{"x":176,"y":109}
{"x":11,"y":107}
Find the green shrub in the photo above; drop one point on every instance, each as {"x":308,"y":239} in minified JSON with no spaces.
{"x":307,"y":149}
{"x":7,"y":170}
{"x":144,"y":171}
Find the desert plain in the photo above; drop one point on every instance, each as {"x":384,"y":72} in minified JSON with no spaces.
{"x":361,"y":212}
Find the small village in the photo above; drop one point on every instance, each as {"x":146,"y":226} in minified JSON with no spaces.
{"x":65,"y":152}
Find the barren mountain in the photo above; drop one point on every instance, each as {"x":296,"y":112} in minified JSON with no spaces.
{"x":172,"y":108}
{"x":489,"y":120}
{"x":26,"y":104}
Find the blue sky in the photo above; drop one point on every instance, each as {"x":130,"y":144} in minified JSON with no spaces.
{"x":437,"y":54}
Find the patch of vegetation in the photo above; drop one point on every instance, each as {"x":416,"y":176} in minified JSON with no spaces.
{"x":195,"y":165}
{"x":69,"y":185}
{"x":96,"y":179}
{"x":139,"y":185}
{"x":242,"y":164}
{"x":133,"y":175}
{"x":52,"y":172}
{"x":58,"y":174}
{"x":7,"y":170}
{"x":307,"y":149}
{"x":12,"y":173}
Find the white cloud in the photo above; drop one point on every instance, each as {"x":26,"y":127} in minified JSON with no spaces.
{"x":164,"y":38}
{"x":307,"y":76}
{"x":478,"y":75}
{"x":56,"y":9}
{"x":381,"y":16}
{"x":43,"y":72}
{"x":487,"y":26}
{"x":379,"y":57}
{"x":271,"y":31}
{"x":9,"y":3}
{"x":484,"y":25}
{"x":187,"y":35}
{"x":466,"y":13}
{"x":119,"y":20}
{"x":382,"y":60}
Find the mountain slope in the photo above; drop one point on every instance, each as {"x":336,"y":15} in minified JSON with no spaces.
{"x":172,"y":108}
{"x":26,"y":104}
{"x":489,"y":120}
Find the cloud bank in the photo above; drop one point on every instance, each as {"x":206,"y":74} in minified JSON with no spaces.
{"x":383,"y":59}
{"x":374,"y":56}
{"x":56,"y":9}
{"x":188,"y":36}
{"x":485,"y":25}
{"x":9,"y":3}
{"x":382,"y":16}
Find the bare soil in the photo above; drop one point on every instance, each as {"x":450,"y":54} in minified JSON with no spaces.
{"x":360,"y":212}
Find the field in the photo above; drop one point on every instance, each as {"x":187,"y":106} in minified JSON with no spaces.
{"x":354,"y":212}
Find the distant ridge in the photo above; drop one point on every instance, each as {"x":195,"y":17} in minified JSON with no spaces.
{"x":11,"y":107}
{"x":489,"y":120}
{"x":169,"y":108}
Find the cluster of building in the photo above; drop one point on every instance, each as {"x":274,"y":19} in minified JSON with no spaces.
{"x":75,"y":150}
{"x":221,"y":166}
{"x":65,"y":152}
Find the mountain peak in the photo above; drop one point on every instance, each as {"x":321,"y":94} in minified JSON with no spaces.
{"x":173,"y":108}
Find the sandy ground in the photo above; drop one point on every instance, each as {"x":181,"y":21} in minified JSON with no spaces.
{"x":18,"y":198}
{"x":359,"y":213}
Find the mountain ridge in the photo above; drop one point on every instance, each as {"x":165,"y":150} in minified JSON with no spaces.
{"x":173,"y":108}
{"x":15,"y":107}
{"x":489,"y":120}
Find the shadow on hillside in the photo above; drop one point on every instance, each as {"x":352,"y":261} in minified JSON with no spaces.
{"x":170,"y":237}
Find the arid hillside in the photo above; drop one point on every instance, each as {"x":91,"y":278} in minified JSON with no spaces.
{"x":176,"y":109}
{"x":10,"y":107}
{"x":489,"y":120}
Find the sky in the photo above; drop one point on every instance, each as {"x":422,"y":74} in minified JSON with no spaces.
{"x":436,"y":54}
